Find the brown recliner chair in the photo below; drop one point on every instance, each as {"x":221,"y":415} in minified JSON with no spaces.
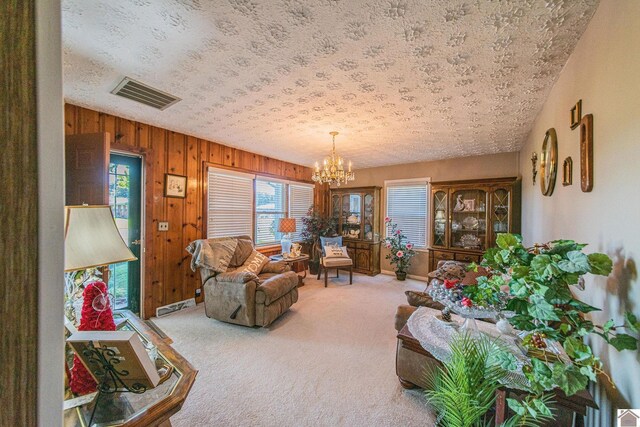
{"x":246,"y":298}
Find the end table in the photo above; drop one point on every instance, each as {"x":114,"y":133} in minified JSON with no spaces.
{"x":297,"y":264}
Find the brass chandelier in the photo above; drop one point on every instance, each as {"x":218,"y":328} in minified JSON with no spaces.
{"x":332,"y":171}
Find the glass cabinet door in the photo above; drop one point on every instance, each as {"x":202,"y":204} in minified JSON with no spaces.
{"x":351,"y":215}
{"x":468,"y":227}
{"x":368,"y":217}
{"x":500,"y":215}
{"x":439,"y":218}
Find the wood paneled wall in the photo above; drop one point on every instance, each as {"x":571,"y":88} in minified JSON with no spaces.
{"x":168,"y":277}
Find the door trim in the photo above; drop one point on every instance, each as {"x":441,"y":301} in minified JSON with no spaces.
{"x":146,"y":216}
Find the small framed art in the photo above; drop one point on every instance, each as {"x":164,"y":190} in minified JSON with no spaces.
{"x":175,"y":186}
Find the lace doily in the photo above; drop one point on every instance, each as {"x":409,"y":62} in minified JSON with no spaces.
{"x":436,"y":336}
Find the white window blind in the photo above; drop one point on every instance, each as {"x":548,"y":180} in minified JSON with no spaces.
{"x":230,"y":208}
{"x":271,"y":205}
{"x":407,"y":206}
{"x":300,"y":200}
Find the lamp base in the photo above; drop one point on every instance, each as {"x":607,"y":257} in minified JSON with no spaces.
{"x":286,"y":245}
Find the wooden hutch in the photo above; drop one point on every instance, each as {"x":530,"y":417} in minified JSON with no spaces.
{"x":358,"y":214}
{"x":466,"y":217}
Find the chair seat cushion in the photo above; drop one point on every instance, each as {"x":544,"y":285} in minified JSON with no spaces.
{"x":336,"y":262}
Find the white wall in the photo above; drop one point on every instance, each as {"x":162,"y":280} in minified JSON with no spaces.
{"x":603,"y":71}
{"x":51,"y":212}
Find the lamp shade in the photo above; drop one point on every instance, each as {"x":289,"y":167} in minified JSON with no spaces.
{"x":91,"y":238}
{"x":287,"y":225}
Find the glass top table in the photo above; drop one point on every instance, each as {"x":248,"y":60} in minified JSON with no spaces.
{"x":152,"y":407}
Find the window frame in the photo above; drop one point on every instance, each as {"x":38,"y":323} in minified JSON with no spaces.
{"x":257,"y":212}
{"x":410,"y":182}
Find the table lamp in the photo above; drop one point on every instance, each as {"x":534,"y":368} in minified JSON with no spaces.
{"x":286,"y":226}
{"x":91,"y":239}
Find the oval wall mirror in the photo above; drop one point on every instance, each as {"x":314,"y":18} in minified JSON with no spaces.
{"x":549,"y":162}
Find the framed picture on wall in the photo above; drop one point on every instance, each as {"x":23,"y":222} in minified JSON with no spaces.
{"x":175,"y":186}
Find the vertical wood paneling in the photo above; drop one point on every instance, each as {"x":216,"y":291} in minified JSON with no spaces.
{"x":155,"y":292}
{"x":126,"y":132}
{"x":18,"y":216}
{"x":175,"y":215}
{"x":168,"y":277}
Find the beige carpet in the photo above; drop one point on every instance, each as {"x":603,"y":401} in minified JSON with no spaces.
{"x":329,"y":361}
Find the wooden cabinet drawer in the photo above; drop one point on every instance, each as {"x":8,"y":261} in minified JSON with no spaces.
{"x":439,"y":255}
{"x":467,"y":257}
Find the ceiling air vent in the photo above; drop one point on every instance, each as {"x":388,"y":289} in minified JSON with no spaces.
{"x":147,"y":95}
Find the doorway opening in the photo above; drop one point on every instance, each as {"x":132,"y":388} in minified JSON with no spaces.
{"x":125,"y":199}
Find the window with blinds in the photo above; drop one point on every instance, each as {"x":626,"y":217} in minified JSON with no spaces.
{"x":230,"y":205}
{"x":300,"y":200}
{"x":271,"y":205}
{"x":407,"y":206}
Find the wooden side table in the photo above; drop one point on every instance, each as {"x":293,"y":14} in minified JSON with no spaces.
{"x":297,"y":264}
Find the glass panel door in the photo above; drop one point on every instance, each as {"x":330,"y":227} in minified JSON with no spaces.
{"x":500,"y":212}
{"x":125,"y":201}
{"x":351,"y":215}
{"x":468,"y":228}
{"x":368,"y":216}
{"x":439,"y":218}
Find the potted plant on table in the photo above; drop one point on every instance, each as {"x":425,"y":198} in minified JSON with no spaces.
{"x":400,"y":250}
{"x":537,"y":280}
{"x":314,"y":225}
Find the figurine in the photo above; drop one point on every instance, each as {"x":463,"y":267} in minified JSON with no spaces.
{"x":459,"y":207}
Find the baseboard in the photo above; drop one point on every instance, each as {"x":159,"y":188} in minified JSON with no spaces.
{"x":410,"y":276}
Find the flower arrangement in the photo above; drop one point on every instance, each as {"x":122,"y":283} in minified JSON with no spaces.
{"x":400,"y":250}
{"x":453,"y":294}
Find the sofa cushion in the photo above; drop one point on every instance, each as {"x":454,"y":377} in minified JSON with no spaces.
{"x":276,"y":267}
{"x":337,"y":262}
{"x":449,"y":270}
{"x":254,"y":263}
{"x":243,"y":250}
{"x":276,"y":287}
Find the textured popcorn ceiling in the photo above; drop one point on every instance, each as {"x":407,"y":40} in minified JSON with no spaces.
{"x":401,"y":80}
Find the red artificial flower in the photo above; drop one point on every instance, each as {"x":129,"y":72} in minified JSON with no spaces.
{"x":466,"y":302}
{"x":450,"y":283}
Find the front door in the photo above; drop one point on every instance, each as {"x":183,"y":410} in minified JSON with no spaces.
{"x":125,"y":188}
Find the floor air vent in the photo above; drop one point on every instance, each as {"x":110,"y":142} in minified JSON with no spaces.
{"x":140,"y":92}
{"x":172,"y":308}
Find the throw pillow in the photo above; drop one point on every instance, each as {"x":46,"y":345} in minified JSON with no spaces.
{"x":243,"y":251}
{"x":421,"y":299}
{"x":336,"y":252}
{"x":330,"y":241}
{"x":254,"y":263}
{"x":449,"y":270}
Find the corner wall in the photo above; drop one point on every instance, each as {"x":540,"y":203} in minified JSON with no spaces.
{"x":602,"y":71}
{"x":476,"y":167}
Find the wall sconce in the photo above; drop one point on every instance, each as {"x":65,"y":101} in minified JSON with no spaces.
{"x":534,"y":166}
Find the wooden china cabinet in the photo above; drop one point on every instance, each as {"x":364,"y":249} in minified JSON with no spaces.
{"x":467,"y":216}
{"x":358,"y":214}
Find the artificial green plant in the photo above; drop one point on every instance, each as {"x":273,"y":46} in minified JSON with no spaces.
{"x":538,"y":281}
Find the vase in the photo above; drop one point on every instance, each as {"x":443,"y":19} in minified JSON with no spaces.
{"x":401,"y":275}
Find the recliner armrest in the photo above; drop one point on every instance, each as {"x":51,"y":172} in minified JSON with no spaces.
{"x":276,"y":267}
{"x":276,"y":287}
